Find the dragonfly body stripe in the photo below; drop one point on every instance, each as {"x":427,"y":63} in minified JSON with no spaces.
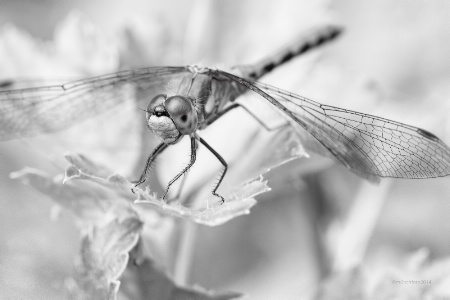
{"x":306,"y":42}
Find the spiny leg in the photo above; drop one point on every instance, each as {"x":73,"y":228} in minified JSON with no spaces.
{"x":223,"y":162}
{"x":235,"y":105}
{"x":160,"y":148}
{"x":183,"y":181}
{"x":180,"y":188}
{"x":193,"y":157}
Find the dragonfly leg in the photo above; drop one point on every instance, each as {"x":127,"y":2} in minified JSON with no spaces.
{"x":191,"y":163}
{"x":183,"y":180}
{"x":161,"y":147}
{"x":181,"y":185}
{"x":235,"y":105}
{"x":225,"y":167}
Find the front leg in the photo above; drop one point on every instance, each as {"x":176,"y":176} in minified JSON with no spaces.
{"x":161,"y":147}
{"x":191,"y":163}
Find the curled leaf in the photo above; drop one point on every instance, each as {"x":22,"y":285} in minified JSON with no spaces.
{"x":87,"y":166}
{"x":104,"y":257}
{"x":88,"y":201}
{"x":85,"y":169}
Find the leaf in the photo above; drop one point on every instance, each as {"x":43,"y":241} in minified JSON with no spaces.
{"x":237,"y":203}
{"x":95,"y":193}
{"x":88,"y":201}
{"x":147,"y":281}
{"x":104,"y":257}
{"x":86,"y":165}
{"x":85,"y":169}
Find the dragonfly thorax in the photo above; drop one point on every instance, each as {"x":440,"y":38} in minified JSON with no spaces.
{"x":170,"y":118}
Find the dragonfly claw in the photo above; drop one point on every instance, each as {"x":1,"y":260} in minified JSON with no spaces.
{"x":136,"y":184}
{"x":132,"y":189}
{"x":163,"y":198}
{"x":222,"y":199}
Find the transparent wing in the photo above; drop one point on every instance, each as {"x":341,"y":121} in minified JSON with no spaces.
{"x":29,"y":82}
{"x":31,"y":111}
{"x":369,"y":146}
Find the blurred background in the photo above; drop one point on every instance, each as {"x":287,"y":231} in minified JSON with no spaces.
{"x":319,"y":221}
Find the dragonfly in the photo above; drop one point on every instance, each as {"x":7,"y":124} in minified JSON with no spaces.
{"x":369,"y":146}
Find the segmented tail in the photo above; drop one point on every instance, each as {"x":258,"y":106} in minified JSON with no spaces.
{"x":309,"y":41}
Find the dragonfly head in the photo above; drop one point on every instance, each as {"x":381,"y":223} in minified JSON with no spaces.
{"x":170,"y":118}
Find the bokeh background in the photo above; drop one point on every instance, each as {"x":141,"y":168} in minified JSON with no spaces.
{"x":319,"y":221}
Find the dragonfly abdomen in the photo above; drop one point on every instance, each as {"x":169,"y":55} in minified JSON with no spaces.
{"x":313,"y":39}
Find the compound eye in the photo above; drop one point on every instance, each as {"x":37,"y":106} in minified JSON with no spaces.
{"x":155,"y":102}
{"x":183,"y":114}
